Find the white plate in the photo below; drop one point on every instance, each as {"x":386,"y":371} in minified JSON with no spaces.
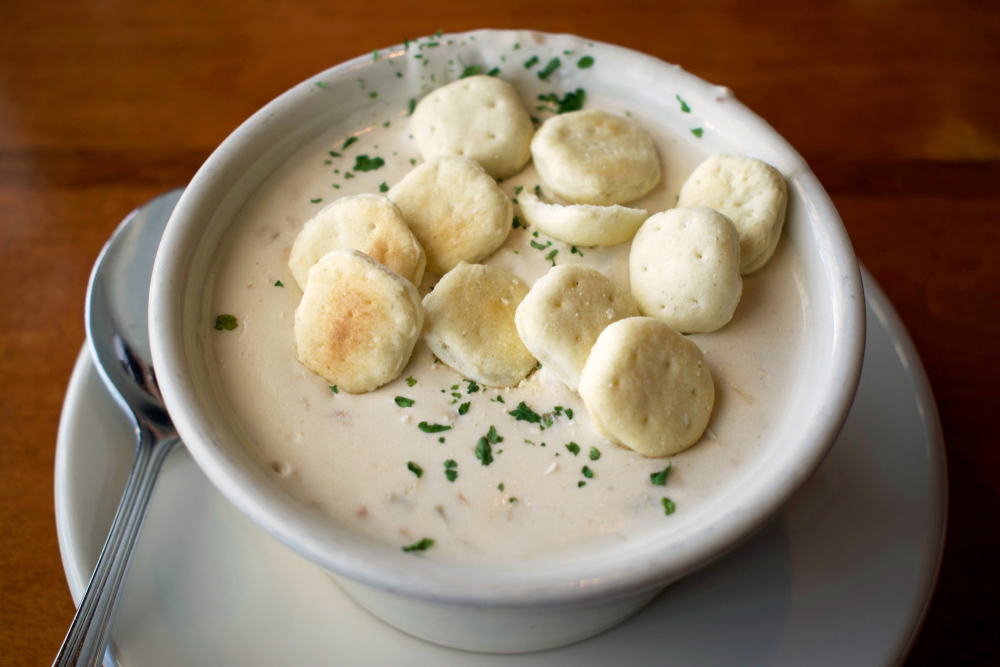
{"x":842,"y":576}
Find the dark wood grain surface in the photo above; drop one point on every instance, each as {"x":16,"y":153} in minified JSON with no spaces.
{"x":896,"y":106}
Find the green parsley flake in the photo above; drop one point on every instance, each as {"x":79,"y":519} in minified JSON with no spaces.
{"x":334,"y":154}
{"x":399,"y":75}
{"x":698,"y":132}
{"x":500,"y":486}
{"x":575,"y":251}
{"x":321,"y":84}
{"x":450,"y":463}
{"x":587,"y":472}
{"x":278,"y":284}
{"x":334,"y":389}
{"x":549,"y":69}
{"x":404,"y":402}
{"x":492,"y":436}
{"x":463,"y":408}
{"x":452,"y":475}
{"x":684,"y":107}
{"x":552,"y":256}
{"x":327,"y":161}
{"x":383,"y":187}
{"x":422,"y":545}
{"x":581,"y":483}
{"x":516,"y":46}
{"x":441,"y":439}
{"x":569,"y":412}
{"x":668,"y":506}
{"x":557,"y":410}
{"x":660,"y":478}
{"x":375,"y":55}
{"x":433,"y":428}
{"x":348,"y":142}
{"x":512,"y":499}
{"x":595,"y":453}
{"x":571,"y":102}
{"x":373,"y":95}
{"x":573,"y":447}
{"x":500,"y":399}
{"x":473,"y":387}
{"x":413,"y":105}
{"x":517,"y":190}
{"x":484,"y":452}
{"x":531,"y":62}
{"x":227,"y":322}
{"x":336,"y":186}
{"x":517,"y":222}
{"x":410,"y":381}
{"x":538,"y":246}
{"x":494,"y":72}
{"x":413,"y":162}
{"x":348,"y":174}
{"x":585,"y":62}
{"x":415,"y":469}
{"x":523,"y":413}
{"x":364,"y":163}
{"x":471,"y":70}
{"x":317,"y":200}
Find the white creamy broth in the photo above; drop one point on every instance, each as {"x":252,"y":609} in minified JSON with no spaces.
{"x":347,"y":455}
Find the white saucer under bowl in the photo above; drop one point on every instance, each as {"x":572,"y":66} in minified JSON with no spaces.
{"x":842,"y":576}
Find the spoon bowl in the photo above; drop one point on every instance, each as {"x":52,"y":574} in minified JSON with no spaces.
{"x":118,"y":338}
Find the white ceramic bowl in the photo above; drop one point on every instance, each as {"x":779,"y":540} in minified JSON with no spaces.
{"x":532,"y":605}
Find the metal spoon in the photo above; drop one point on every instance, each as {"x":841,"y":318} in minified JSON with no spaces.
{"x":118,"y":337}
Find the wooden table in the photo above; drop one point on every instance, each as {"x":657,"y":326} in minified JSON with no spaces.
{"x":896,"y":105}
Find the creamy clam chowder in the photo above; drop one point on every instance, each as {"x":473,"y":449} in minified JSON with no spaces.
{"x":406,"y":462}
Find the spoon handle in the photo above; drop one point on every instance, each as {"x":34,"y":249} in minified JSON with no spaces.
{"x":90,"y":631}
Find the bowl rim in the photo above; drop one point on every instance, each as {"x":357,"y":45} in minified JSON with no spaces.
{"x":535,"y":583}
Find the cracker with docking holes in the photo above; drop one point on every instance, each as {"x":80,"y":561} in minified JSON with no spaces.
{"x":564,"y":313}
{"x":647,"y":387}
{"x":357,"y":322}
{"x":684,"y":269}
{"x":582,"y":224}
{"x":456,"y":211}
{"x":593,"y":157}
{"x":479,"y":117}
{"x":751,"y":193}
{"x":369,"y":223}
{"x":469,"y":324}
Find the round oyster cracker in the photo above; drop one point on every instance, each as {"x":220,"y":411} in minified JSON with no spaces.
{"x":369,"y":223}
{"x":582,"y":224}
{"x":479,"y":117}
{"x":647,"y":387}
{"x":593,"y":157}
{"x":684,"y":269}
{"x":455,"y":210}
{"x":357,"y":322}
{"x":469,"y":324}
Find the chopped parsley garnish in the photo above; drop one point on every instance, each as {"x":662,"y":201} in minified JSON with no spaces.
{"x":410,"y":381}
{"x":538,"y":191}
{"x":549,"y":69}
{"x":450,"y":463}
{"x":375,"y":55}
{"x":587,"y":472}
{"x":484,"y":452}
{"x":512,"y":499}
{"x":538,"y":246}
{"x":531,"y":62}
{"x":317,"y":200}
{"x":569,"y":412}
{"x":422,"y":545}
{"x":278,"y":284}
{"x":534,"y":120}
{"x":492,"y":436}
{"x":660,"y":478}
{"x":415,"y":469}
{"x":433,"y":428}
{"x":575,"y":251}
{"x":364,"y":163}
{"x":494,"y":72}
{"x":573,"y":447}
{"x":398,"y":74}
{"x":548,"y":420}
{"x":404,"y":402}
{"x":557,"y":410}
{"x":517,"y":222}
{"x":552,"y":256}
{"x":698,"y":132}
{"x":348,"y":142}
{"x":463,"y":408}
{"x":517,"y":190}
{"x":684,"y":107}
{"x":516,"y":46}
{"x":336,"y":186}
{"x":334,"y":154}
{"x":413,"y":105}
{"x":581,"y":483}
{"x":321,"y":84}
{"x":470,"y":70}
{"x":373,"y":95}
{"x":595,"y":453}
{"x":413,"y":162}
{"x":227,"y":322}
{"x":500,"y":486}
{"x":668,"y":506}
{"x":327,"y":161}
{"x":454,"y":387}
{"x":500,"y":399}
{"x":473,"y":387}
{"x":383,"y":187}
{"x":571,"y":102}
{"x":585,"y":62}
{"x":348,"y":174}
{"x":523,"y":413}
{"x":441,"y":439}
{"x":334,"y":389}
